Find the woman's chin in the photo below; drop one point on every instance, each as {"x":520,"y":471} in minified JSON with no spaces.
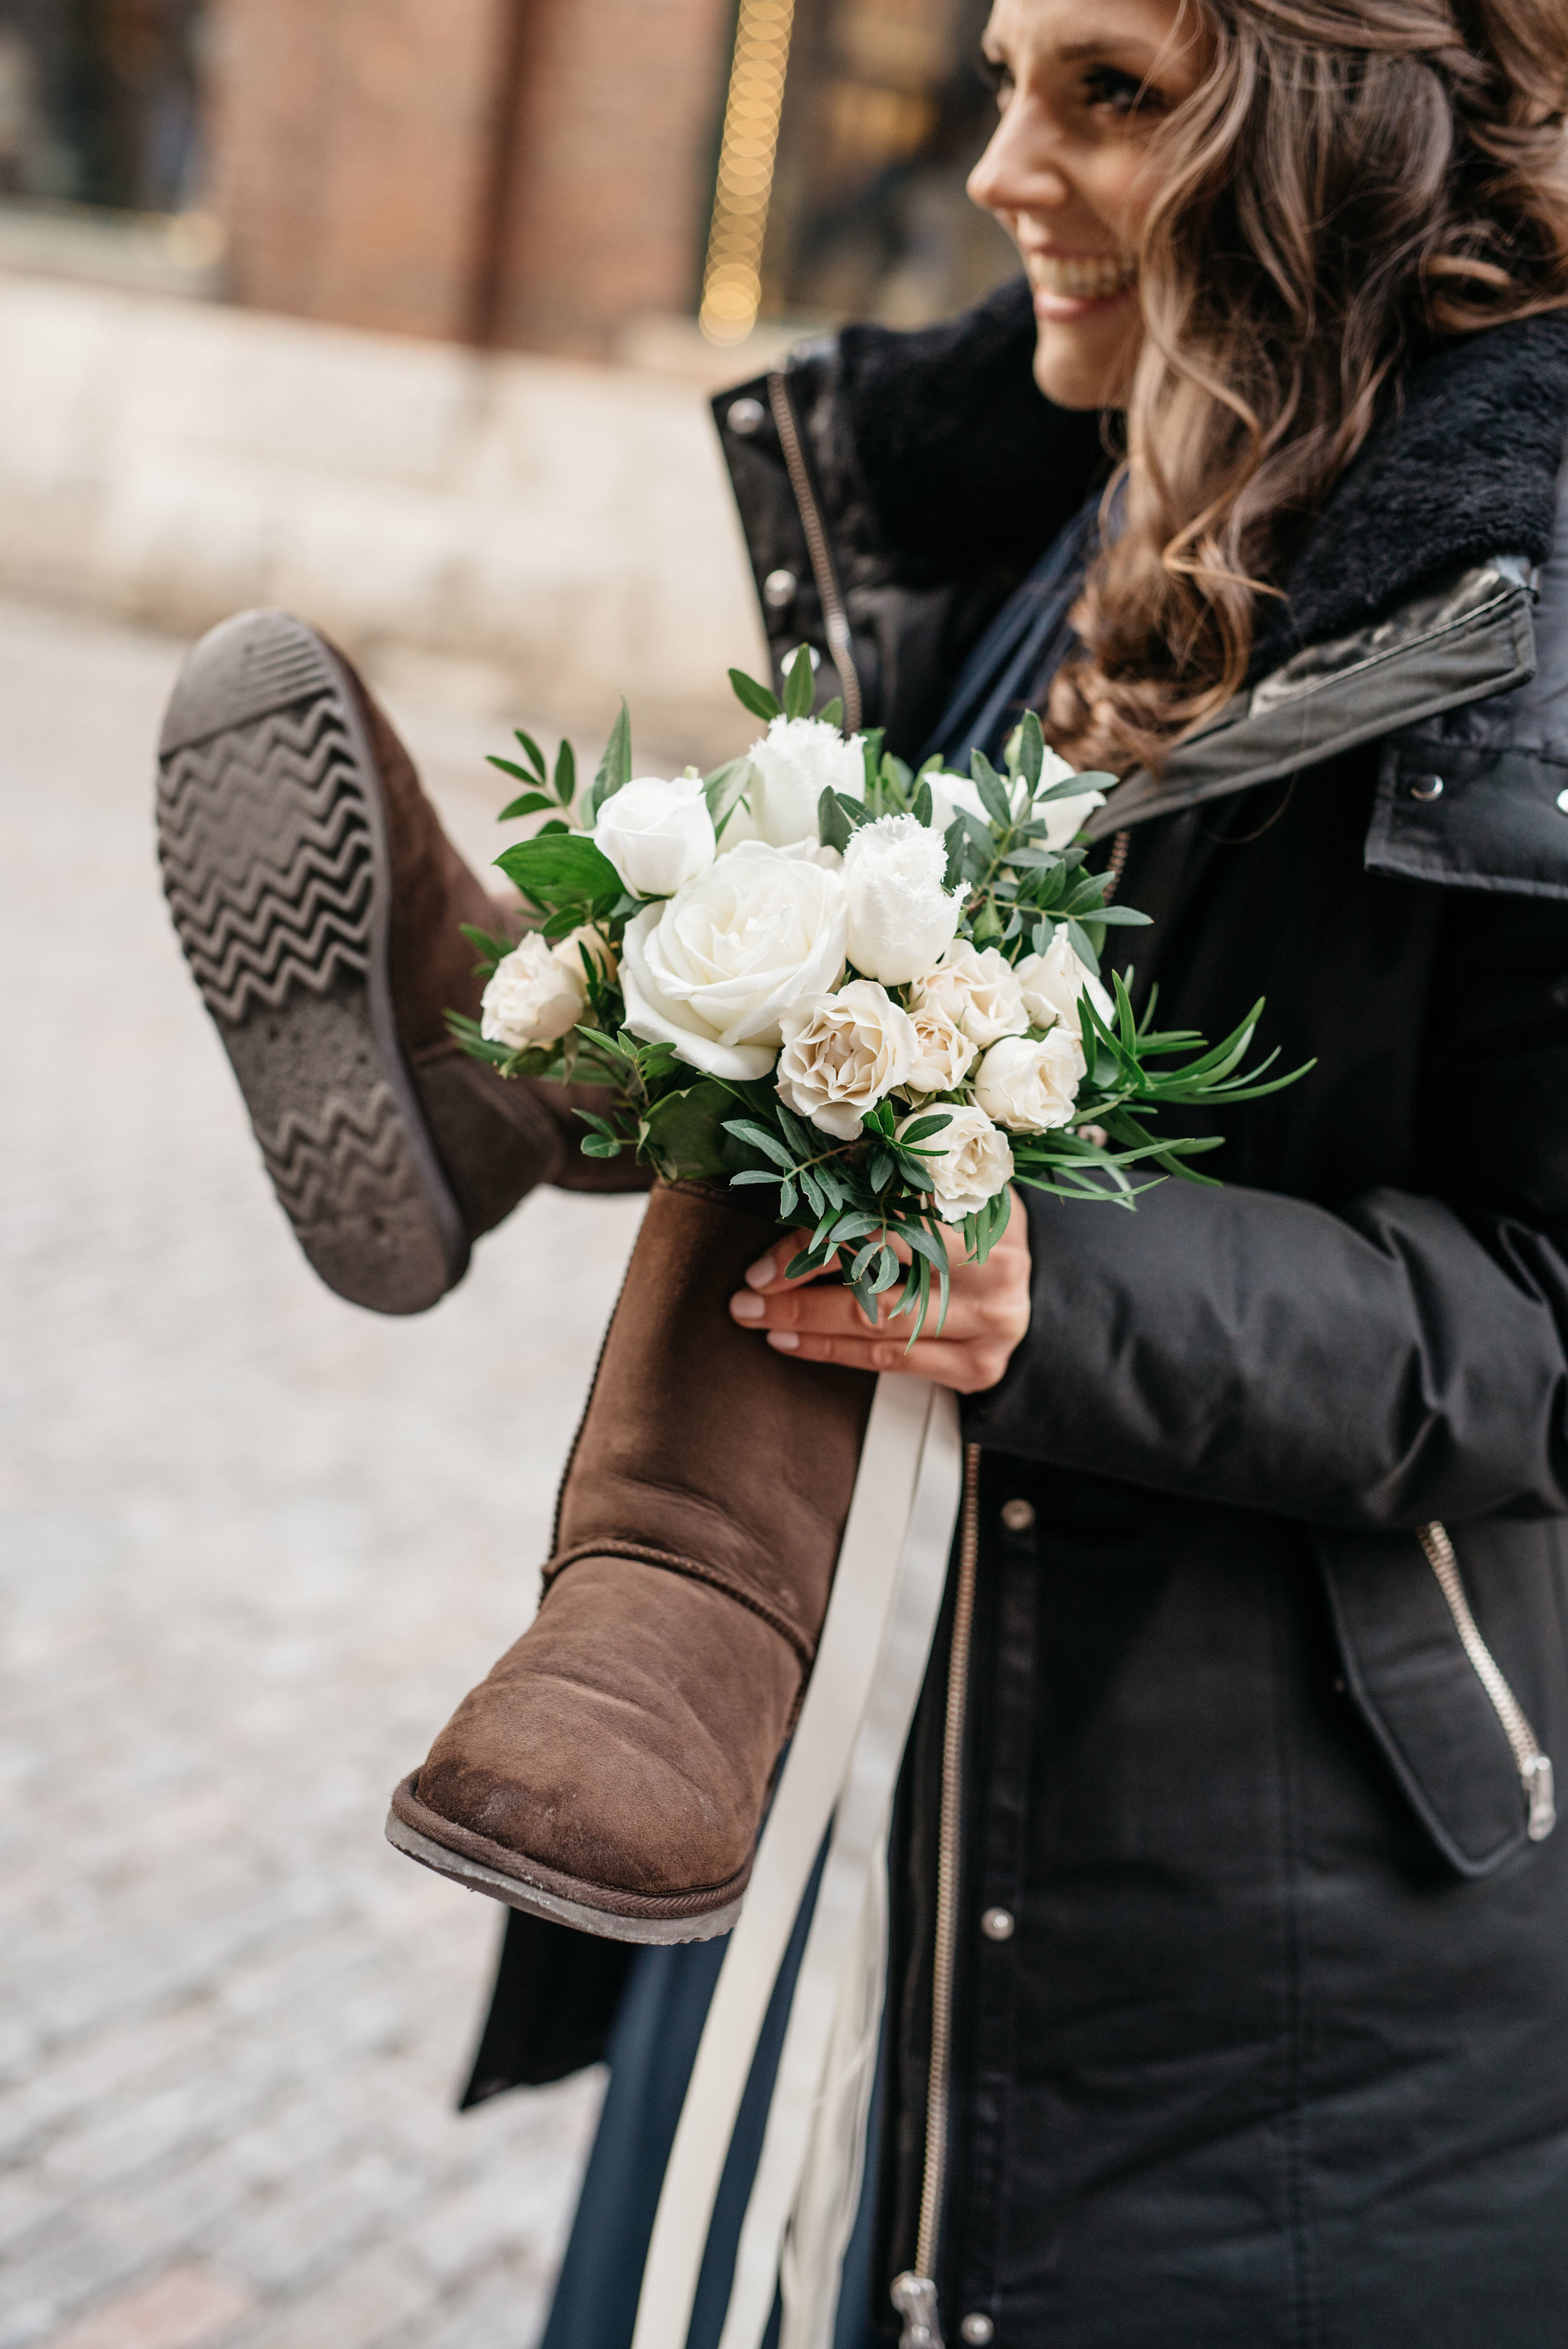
{"x":1087,"y":364}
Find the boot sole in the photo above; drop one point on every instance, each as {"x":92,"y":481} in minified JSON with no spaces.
{"x":541,"y":1891}
{"x":272,"y":839}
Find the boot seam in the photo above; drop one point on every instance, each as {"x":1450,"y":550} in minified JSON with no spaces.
{"x":670,"y":1562}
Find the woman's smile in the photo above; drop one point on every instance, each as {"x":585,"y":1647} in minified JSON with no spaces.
{"x":1069,"y":285}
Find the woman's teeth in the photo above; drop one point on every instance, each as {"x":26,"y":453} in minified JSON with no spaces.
{"x":1085,"y":277}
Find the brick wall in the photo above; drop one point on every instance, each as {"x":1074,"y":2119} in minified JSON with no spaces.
{"x":354,"y":144}
{"x":528,"y":171}
{"x":613,"y":166}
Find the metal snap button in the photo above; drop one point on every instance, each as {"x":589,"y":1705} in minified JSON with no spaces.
{"x":996,"y":1924}
{"x":977,"y":2330}
{"x":745,"y":417}
{"x":1017,"y":1515}
{"x":1427,"y":787}
{"x":1562,"y":803}
{"x":779,"y":589}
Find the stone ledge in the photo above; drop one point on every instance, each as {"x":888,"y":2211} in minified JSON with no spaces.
{"x":562,"y":531}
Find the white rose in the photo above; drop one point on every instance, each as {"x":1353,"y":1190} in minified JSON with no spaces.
{"x":977,"y":990}
{"x":656,"y":835}
{"x":843,"y":1054}
{"x":971,"y":1161}
{"x":1053,"y":982}
{"x":714,"y":970}
{"x":945,"y":1054}
{"x":796,"y":761}
{"x":532,"y":997}
{"x":902,"y":914}
{"x":1030,"y":1088}
{"x":584,"y":939}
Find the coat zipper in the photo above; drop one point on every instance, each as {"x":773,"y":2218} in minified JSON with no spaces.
{"x":1534,"y":1765}
{"x":835,"y":619}
{"x":914,"y":2292}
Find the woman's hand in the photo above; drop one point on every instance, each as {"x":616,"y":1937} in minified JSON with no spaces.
{"x":988,"y":1313}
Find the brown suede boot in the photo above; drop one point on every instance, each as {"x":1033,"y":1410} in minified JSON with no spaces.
{"x":318,"y":903}
{"x":613,"y":1770}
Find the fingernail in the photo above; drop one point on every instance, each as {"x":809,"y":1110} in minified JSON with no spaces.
{"x":748,"y":1309}
{"x":760,"y":1273}
{"x":785,"y":1340}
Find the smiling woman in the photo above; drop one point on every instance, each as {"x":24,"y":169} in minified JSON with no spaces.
{"x":1070,"y":174}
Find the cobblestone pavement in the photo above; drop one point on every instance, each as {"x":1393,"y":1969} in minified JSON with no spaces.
{"x":256,"y":1544}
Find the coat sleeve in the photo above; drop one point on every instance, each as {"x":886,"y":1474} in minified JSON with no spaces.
{"x":1378,"y":1363}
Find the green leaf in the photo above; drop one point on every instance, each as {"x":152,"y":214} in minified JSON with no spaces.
{"x":746,"y":1129}
{"x":923,"y":806}
{"x":922,"y":1129}
{"x":531,"y":752}
{"x":1083,"y":944}
{"x":531,"y":803}
{"x":752,"y":1174}
{"x":958,"y":841}
{"x":557,"y":867}
{"x":993,"y":790}
{"x":800,"y":684}
{"x":833,"y":712}
{"x":754,"y":697}
{"x":566,"y":774}
{"x":616,"y":766}
{"x":1031,"y":751}
{"x":788,"y":1201}
{"x":724,"y":789}
{"x":834,"y":829}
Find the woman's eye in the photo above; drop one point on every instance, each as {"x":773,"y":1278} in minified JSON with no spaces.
{"x":996,"y":76}
{"x":1123,"y":93}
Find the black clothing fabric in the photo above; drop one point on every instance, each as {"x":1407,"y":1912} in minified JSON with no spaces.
{"x":1276,"y":2057}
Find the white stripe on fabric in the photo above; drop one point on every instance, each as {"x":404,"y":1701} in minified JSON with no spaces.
{"x":899,"y":1498}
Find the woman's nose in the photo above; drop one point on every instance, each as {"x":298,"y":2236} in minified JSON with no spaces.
{"x":1017,"y":172}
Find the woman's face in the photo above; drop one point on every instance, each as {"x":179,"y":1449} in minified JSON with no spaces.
{"x":1081,"y":87}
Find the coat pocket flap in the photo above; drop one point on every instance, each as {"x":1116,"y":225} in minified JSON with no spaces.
{"x":1472,"y":816}
{"x":1418,"y":1691}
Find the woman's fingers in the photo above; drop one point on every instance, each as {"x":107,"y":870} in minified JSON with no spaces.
{"x":968,"y":1369}
{"x":836,"y":1313}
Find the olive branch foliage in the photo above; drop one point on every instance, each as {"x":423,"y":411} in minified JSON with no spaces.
{"x":864,"y":1207}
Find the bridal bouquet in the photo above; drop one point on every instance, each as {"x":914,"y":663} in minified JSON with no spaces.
{"x":871,"y":993}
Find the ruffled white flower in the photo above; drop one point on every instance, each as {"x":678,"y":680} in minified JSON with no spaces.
{"x":970,"y":1162}
{"x":978,"y":992}
{"x":902,"y":914}
{"x":656,"y":835}
{"x":945,"y":1054}
{"x":1054,"y":982}
{"x":796,"y":760}
{"x":532,"y":997}
{"x":1031,"y":1087}
{"x":714,"y":970}
{"x":843,"y":1054}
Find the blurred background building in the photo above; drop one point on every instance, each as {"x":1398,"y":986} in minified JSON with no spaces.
{"x":401,"y":311}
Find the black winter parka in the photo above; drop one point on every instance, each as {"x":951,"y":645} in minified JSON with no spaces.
{"x":1261,"y":2023}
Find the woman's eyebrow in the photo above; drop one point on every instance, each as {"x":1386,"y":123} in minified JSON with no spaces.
{"x":1108,"y":45}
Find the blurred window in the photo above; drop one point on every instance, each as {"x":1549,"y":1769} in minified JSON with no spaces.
{"x":884,"y":113}
{"x":99,"y":103}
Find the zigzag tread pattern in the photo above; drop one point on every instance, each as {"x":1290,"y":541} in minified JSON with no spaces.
{"x":264,"y":842}
{"x":352,"y":1156}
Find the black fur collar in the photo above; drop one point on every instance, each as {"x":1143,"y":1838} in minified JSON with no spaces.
{"x":962,"y":460}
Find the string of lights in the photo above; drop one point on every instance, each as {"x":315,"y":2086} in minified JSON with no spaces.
{"x":732,"y":277}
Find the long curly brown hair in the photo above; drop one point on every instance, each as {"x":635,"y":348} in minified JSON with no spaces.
{"x":1353,"y":181}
